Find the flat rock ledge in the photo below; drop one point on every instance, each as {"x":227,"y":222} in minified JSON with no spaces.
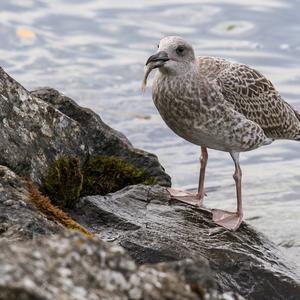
{"x":153,"y":228}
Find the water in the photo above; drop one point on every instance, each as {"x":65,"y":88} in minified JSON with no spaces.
{"x":94,"y":51}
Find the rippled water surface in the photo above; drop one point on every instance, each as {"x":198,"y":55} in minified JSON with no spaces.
{"x":94,"y":51}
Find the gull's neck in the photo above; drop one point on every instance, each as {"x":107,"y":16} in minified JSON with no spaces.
{"x":188,"y":69}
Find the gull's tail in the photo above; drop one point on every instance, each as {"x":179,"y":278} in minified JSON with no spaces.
{"x":297,"y":113}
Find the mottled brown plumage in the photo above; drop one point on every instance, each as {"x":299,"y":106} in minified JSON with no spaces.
{"x":218,"y":104}
{"x":254,"y":96}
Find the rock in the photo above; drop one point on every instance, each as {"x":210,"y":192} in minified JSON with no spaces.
{"x":36,"y":129}
{"x":39,"y":127}
{"x":153,"y":229}
{"x":71,"y":267}
{"x":100,"y":139}
{"x":41,"y":260}
{"x":19,"y":220}
{"x":190,"y":257}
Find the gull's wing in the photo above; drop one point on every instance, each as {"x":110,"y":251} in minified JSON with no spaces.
{"x":254,"y":96}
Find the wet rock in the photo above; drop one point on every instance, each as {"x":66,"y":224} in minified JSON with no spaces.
{"x":19,"y":220}
{"x":39,"y":127}
{"x":154,"y":229}
{"x":71,"y":267}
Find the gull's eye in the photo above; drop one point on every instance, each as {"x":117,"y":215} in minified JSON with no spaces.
{"x":157,"y":45}
{"x":179,"y":50}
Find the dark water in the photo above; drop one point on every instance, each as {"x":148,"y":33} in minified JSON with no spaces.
{"x":94,"y":51}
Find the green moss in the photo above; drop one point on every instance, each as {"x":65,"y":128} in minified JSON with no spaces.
{"x":66,"y":181}
{"x":103,"y":175}
{"x":63,"y":182}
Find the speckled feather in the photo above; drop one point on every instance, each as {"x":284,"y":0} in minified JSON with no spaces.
{"x":225,"y":106}
{"x":254,"y":96}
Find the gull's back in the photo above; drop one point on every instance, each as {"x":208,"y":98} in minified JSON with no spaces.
{"x":252,"y":95}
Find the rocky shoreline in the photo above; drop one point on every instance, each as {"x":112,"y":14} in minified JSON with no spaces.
{"x":137,"y":243}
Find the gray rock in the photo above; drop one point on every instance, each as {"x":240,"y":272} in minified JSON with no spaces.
{"x":71,"y":267}
{"x":153,"y":229}
{"x":100,"y":139}
{"x":34,"y":133}
{"x":19,"y":220}
{"x":36,"y":129}
{"x":194,"y":259}
{"x":41,"y":260}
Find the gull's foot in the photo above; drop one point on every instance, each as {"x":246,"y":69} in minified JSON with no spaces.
{"x":186,"y":197}
{"x":229,"y":220}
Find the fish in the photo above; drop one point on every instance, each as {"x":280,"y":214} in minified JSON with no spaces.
{"x":147,"y":70}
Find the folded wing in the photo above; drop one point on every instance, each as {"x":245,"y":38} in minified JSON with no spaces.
{"x":256,"y":98}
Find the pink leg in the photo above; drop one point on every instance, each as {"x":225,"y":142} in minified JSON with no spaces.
{"x":229,"y":220}
{"x":203,"y":163}
{"x":191,"y":198}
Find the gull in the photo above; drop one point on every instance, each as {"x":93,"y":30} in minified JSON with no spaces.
{"x":220,"y":105}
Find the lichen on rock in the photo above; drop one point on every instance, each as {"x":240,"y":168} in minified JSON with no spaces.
{"x":39,"y":127}
{"x":71,"y":267}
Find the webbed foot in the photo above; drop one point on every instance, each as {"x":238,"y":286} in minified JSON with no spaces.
{"x":226,"y":219}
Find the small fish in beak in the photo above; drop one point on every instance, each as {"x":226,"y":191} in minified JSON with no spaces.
{"x":147,"y":69}
{"x":154,"y":61}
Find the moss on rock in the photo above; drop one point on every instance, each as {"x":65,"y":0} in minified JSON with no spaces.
{"x":108,"y":174}
{"x":63,"y":183}
{"x":43,"y":204}
{"x":67,"y":181}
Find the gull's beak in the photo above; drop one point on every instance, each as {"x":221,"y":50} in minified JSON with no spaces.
{"x":158,"y":59}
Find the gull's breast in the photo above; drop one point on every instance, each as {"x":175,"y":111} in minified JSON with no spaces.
{"x":198,"y":120}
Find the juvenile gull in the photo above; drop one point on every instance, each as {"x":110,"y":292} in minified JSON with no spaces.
{"x":217,"y":104}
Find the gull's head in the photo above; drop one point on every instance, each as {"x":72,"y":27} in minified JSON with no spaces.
{"x":174,"y":56}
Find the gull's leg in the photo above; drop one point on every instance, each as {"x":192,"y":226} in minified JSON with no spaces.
{"x":203,"y":163}
{"x":227,"y":219}
{"x":190,"y":198}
